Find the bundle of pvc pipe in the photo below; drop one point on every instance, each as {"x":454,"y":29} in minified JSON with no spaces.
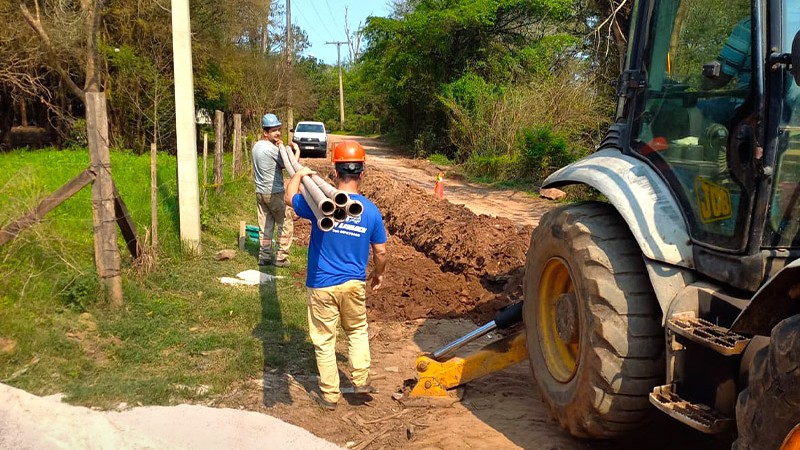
{"x":328,"y":204}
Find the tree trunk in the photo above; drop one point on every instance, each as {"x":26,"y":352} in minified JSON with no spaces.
{"x":23,"y":113}
{"x":106,"y":250}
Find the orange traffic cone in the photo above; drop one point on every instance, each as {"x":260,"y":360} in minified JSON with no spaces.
{"x":438,"y":189}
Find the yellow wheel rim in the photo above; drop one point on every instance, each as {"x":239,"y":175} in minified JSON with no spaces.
{"x":561,"y":357}
{"x":792,"y":440}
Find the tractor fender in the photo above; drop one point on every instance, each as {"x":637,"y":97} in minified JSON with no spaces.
{"x":648,"y":207}
{"x":778,"y":299}
{"x":640,"y":196}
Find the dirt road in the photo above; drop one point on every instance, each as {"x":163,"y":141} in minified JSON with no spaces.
{"x":449,"y":270}
{"x":518,"y":206}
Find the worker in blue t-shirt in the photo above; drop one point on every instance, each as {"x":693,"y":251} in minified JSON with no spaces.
{"x":337,"y":275}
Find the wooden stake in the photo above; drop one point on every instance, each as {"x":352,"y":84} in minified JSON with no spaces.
{"x":154,"y":196}
{"x":242,"y":234}
{"x":205,"y":169}
{"x":219,"y":136}
{"x":237,"y":144}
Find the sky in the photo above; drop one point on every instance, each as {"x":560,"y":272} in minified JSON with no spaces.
{"x":323,"y":21}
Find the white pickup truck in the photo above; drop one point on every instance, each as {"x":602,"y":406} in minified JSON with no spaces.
{"x":312,"y":138}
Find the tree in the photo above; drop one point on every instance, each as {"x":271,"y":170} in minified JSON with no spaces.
{"x":105,"y":243}
{"x":435,"y":42}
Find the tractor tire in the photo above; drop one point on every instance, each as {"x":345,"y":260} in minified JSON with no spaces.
{"x":769,"y":408}
{"x":594,"y":334}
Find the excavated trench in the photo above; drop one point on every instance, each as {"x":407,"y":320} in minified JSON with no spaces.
{"x":444,"y":260}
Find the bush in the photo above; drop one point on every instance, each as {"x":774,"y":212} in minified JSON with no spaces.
{"x":81,"y":292}
{"x":440,"y":159}
{"x":77,"y":134}
{"x":489,"y":167}
{"x":542,"y":152}
{"x":539,"y":126}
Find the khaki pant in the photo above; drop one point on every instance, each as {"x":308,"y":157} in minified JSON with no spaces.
{"x":326,"y":308}
{"x":273,"y":213}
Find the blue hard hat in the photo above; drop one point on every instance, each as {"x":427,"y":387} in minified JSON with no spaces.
{"x":269,"y":121}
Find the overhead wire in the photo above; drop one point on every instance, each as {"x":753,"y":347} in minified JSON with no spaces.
{"x":323,"y":22}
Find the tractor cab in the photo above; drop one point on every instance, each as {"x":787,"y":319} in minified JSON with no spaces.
{"x":709,"y":101}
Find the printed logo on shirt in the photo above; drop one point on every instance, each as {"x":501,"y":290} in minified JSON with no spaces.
{"x":350,"y":227}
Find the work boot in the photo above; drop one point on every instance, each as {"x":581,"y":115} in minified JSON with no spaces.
{"x":324,"y":404}
{"x":367,"y":388}
{"x":282,"y":263}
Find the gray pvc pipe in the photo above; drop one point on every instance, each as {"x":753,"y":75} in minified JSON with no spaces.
{"x":339,"y":214}
{"x":286,"y":162}
{"x":325,"y":223}
{"x":340,"y":198}
{"x":323,"y":203}
{"x":354,"y":208}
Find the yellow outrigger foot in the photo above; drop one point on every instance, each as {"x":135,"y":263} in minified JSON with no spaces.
{"x":441,"y":370}
{"x":435,"y":377}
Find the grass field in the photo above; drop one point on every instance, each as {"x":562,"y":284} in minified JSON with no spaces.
{"x":181,"y":335}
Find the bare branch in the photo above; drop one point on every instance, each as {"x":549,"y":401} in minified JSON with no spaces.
{"x":36,"y":24}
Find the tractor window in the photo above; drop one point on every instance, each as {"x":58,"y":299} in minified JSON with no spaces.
{"x":699,"y":68}
{"x":783,"y":228}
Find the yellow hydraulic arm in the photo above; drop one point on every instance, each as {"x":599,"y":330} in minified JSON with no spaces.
{"x":439,"y":371}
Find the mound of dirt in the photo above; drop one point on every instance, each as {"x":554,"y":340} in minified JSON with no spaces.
{"x":451,"y":235}
{"x":444,"y":261}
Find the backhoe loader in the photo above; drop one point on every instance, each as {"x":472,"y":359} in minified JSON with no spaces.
{"x":679,"y":293}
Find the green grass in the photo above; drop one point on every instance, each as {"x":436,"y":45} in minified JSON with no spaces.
{"x":180,"y":335}
{"x":440,"y":159}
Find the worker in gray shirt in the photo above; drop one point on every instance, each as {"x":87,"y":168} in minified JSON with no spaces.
{"x":272,"y":211}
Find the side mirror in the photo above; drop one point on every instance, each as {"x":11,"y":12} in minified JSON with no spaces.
{"x":291,"y":130}
{"x":796,"y":58}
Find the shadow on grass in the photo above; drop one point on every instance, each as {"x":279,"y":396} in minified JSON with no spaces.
{"x":282,"y":344}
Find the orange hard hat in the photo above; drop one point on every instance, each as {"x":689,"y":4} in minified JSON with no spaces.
{"x":348,"y":151}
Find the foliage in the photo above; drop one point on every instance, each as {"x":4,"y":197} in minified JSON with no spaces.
{"x":543,"y":152}
{"x":494,"y":129}
{"x":437,"y":42}
{"x":238,"y":57}
{"x":440,"y":159}
{"x":76,"y":135}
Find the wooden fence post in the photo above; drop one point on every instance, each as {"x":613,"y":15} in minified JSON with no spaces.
{"x":106,"y":251}
{"x":205,"y":169}
{"x":153,"y":196}
{"x":248,"y":164}
{"x":237,"y":144}
{"x":219,"y":137}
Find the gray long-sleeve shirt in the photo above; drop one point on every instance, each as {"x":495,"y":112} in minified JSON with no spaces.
{"x":267,"y":168}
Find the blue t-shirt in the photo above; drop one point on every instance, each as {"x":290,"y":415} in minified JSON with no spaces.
{"x":341,"y":254}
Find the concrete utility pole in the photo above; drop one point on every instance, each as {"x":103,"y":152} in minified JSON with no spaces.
{"x":341,"y":90}
{"x":289,"y":99}
{"x":188,"y":192}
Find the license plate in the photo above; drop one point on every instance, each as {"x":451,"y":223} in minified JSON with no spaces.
{"x":308,"y":147}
